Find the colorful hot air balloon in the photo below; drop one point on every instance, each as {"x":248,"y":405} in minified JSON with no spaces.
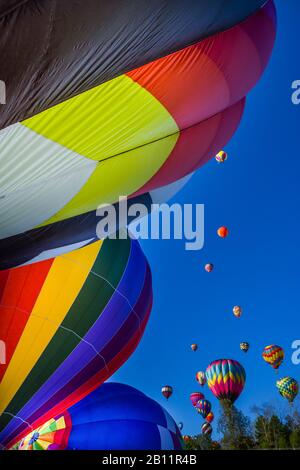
{"x":113,"y":417}
{"x":206,"y":429}
{"x":223,"y":232}
{"x":273,"y":355}
{"x":200,"y":377}
{"x":115,"y":107}
{"x":221,"y":156}
{"x":226,"y":379}
{"x":210,"y":417}
{"x":244,"y":346}
{"x":288,"y":388}
{"x":167,"y":391}
{"x":68,"y":324}
{"x":195,"y":397}
{"x":194,"y":347}
{"x":237,"y":311}
{"x":203,"y":407}
{"x":209,"y":267}
{"x":186,"y":438}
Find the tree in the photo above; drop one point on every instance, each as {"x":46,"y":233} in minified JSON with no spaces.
{"x":235,"y":428}
{"x":200,"y":442}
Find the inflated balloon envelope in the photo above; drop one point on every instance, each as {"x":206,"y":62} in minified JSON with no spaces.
{"x":113,"y":417}
{"x":68,"y":323}
{"x":99,"y":106}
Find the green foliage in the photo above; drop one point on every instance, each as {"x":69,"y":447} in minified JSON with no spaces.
{"x":269,"y":430}
{"x":200,"y":442}
{"x":235,"y":429}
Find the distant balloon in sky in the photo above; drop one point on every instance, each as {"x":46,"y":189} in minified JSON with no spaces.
{"x":288,"y":388}
{"x":209,"y":267}
{"x":221,"y":156}
{"x":223,"y":232}
{"x":180,"y":425}
{"x":273,"y":355}
{"x":244,"y":346}
{"x":203,"y":407}
{"x":167,"y":391}
{"x":210,"y":417}
{"x":200,"y":377}
{"x":226,"y":379}
{"x":195,"y":397}
{"x":237,"y":311}
{"x":194,"y":347}
{"x":113,"y":417}
{"x":206,"y":429}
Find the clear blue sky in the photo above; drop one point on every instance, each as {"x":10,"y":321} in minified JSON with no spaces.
{"x":256,"y":194}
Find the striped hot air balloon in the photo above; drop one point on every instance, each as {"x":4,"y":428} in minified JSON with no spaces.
{"x":273,"y":355}
{"x":68,"y":324}
{"x":206,"y":429}
{"x":167,"y":391}
{"x":226,"y":379}
{"x":203,"y":407}
{"x":200,"y":377}
{"x":195,"y":397}
{"x":104,"y":107}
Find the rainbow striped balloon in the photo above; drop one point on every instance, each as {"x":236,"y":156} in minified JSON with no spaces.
{"x":226,"y":379}
{"x":68,"y":324}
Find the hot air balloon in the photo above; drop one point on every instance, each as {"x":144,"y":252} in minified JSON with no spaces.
{"x":180,"y":425}
{"x":167,"y":391}
{"x":194,"y":347}
{"x":237,"y":311}
{"x":288,"y":388}
{"x":209,"y":267}
{"x":210,"y":417}
{"x":68,"y":324}
{"x":226,"y":379}
{"x":203,"y":407}
{"x":221,"y":156}
{"x":244,"y":346}
{"x":113,"y":417}
{"x":195,"y":397}
{"x":273,"y":355}
{"x":200,"y":377}
{"x":92,"y":122}
{"x":223,"y":232}
{"x":186,"y":438}
{"x":206,"y":429}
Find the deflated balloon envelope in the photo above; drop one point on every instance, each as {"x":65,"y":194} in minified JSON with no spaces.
{"x":68,"y":323}
{"x":98,"y":108}
{"x":113,"y":417}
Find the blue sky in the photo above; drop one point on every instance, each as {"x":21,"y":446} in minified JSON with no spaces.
{"x":256,"y":194}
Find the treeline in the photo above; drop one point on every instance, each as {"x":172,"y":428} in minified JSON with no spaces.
{"x":268,"y":430}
